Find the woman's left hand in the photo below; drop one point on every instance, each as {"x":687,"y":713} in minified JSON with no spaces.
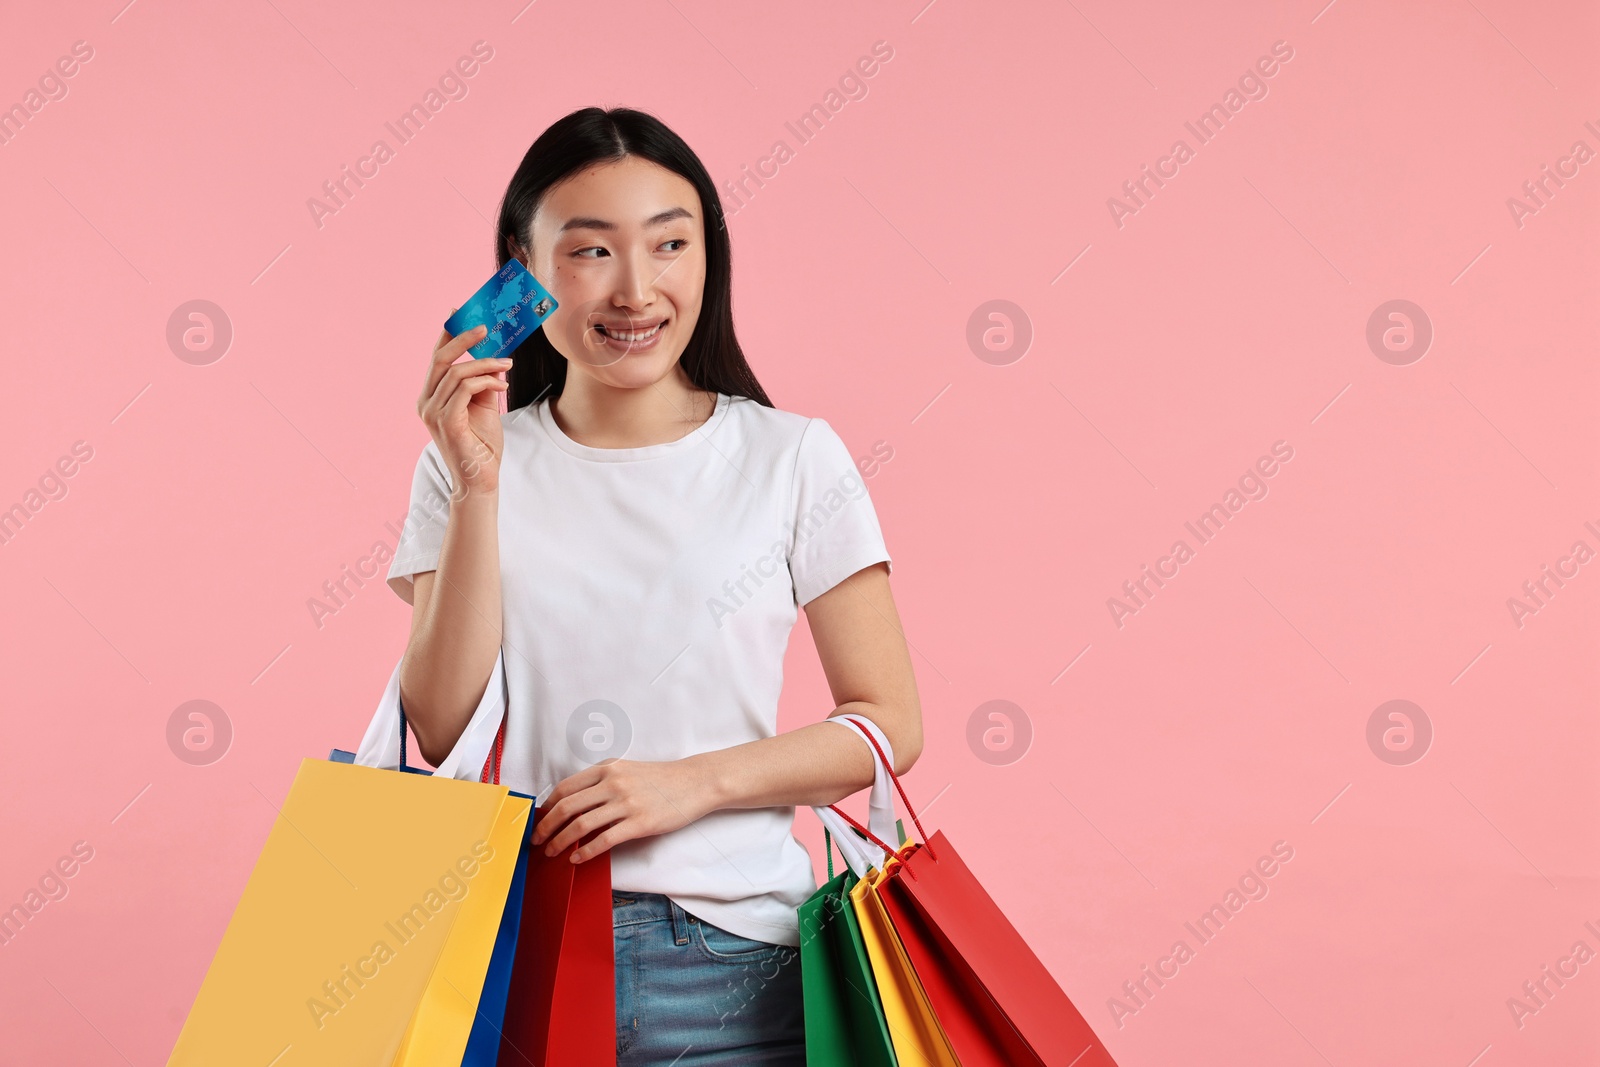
{"x":630,"y":798}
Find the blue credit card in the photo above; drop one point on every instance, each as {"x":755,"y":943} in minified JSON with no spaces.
{"x":512,"y":304}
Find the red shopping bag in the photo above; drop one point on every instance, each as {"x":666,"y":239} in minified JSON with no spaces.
{"x":561,"y":1010}
{"x":996,"y":1002}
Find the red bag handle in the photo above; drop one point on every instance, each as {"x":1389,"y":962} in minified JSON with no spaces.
{"x":494,"y":757}
{"x":895,"y":778}
{"x":868,"y":834}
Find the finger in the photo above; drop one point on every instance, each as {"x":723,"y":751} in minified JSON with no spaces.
{"x":430,"y":380}
{"x":453,"y":412}
{"x":571,"y":784}
{"x":458,"y":387}
{"x":583,"y":826}
{"x":563,"y":789}
{"x":547,"y":821}
{"x":469,"y":368}
{"x":470,"y":388}
{"x":615,"y":834}
{"x":439,"y":363}
{"x":575,"y":781}
{"x":444,"y":335}
{"x":557,"y":814}
{"x":448,"y":350}
{"x":579,"y":827}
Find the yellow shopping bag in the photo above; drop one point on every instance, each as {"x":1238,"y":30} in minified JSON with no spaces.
{"x":365,"y":931}
{"x":919,"y":1040}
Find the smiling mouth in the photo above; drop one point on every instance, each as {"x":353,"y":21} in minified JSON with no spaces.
{"x":631,"y":336}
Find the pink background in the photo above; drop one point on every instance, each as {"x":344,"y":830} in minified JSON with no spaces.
{"x":1228,"y":313}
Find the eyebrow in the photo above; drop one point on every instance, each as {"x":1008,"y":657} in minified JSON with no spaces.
{"x":583,"y":222}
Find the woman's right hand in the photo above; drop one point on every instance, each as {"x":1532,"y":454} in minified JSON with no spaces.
{"x":462,"y":412}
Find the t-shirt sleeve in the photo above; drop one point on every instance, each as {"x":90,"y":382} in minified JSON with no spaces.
{"x":422,"y":535}
{"x":835,"y":531}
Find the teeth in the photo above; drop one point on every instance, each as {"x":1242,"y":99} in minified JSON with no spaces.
{"x":631,"y":336}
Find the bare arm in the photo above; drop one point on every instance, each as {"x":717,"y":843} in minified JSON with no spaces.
{"x":863,"y":651}
{"x":455,"y":609}
{"x":864,"y":655}
{"x":455,"y":628}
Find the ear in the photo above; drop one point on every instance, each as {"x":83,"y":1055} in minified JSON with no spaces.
{"x":516,"y":250}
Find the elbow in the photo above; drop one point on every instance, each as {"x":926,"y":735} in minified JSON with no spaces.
{"x":424,"y":748}
{"x":908,"y":742}
{"x":428,"y":755}
{"x":423,"y":751}
{"x":905,"y":759}
{"x":429,"y":749}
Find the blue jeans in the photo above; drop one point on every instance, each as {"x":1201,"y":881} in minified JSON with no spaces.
{"x":691,"y":994}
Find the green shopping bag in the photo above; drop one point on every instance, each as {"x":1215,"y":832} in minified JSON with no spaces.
{"x":844,"y":1017}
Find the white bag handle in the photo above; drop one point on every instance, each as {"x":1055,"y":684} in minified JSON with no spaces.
{"x":380,"y":747}
{"x":861,"y":855}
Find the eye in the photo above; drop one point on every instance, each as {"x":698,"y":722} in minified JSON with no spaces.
{"x":678,"y":241}
{"x":592,"y":248}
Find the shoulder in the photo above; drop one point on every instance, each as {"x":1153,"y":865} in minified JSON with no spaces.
{"x":775,"y":426}
{"x":805,"y":448}
{"x":805,"y":453}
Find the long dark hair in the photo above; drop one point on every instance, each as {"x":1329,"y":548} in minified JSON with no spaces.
{"x":712,"y":359}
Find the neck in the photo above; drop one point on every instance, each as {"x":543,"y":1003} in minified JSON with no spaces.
{"x":599,"y":415}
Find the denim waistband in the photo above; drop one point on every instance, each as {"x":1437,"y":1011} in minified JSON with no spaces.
{"x":631,"y":909}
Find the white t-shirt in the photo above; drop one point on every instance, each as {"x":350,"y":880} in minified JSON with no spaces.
{"x":648,"y":595}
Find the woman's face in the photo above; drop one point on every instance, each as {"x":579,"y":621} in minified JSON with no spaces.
{"x":621,"y":246}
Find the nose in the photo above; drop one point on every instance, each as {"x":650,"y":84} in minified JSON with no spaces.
{"x":636,"y":282}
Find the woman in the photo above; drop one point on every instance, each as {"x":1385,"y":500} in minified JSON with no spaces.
{"x":635,"y":537}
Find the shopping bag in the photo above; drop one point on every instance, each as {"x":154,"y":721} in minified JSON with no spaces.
{"x":554,"y":1003}
{"x":994,"y":1000}
{"x":483,"y":1043}
{"x":865,"y":1007}
{"x":561,"y":1009}
{"x":845,"y":1025}
{"x":828,"y":1037}
{"x":845,"y":1021}
{"x":365,"y":931}
{"x":918,"y":1038}
{"x":866,"y":983}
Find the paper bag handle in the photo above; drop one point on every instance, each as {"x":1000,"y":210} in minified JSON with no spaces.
{"x":895,"y":778}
